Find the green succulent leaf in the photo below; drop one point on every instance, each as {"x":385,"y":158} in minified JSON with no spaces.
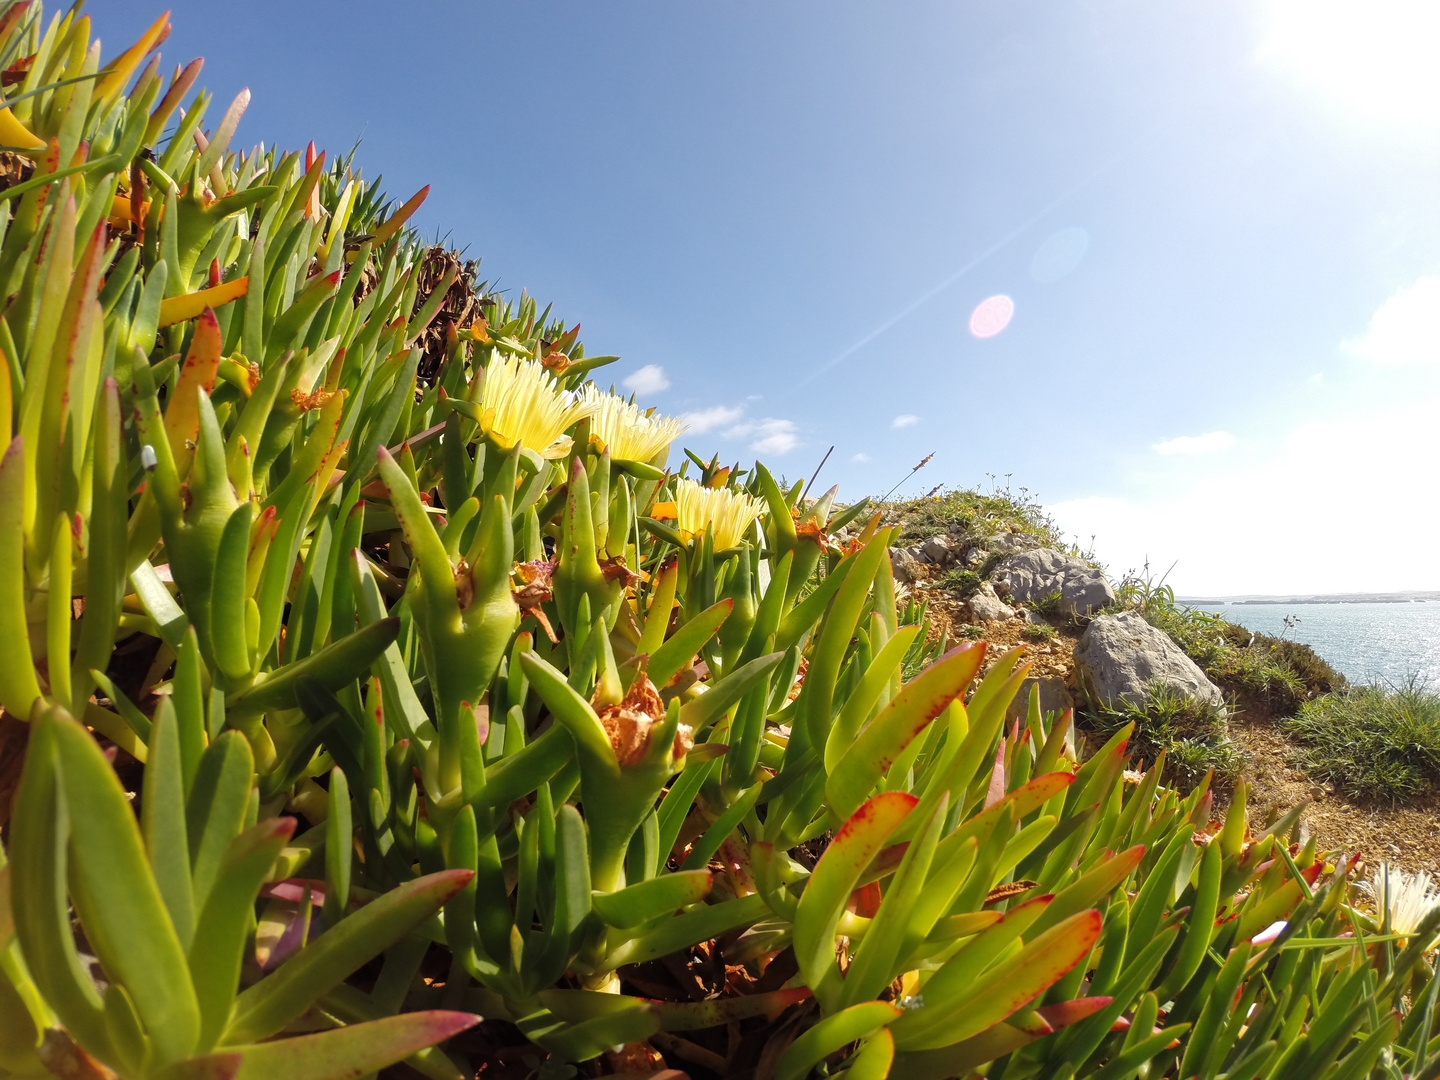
{"x":265,"y":1008}
{"x":350,"y":1051}
{"x":333,"y":667}
{"x":857,"y":1022}
{"x":116,"y":895}
{"x":953,"y":1012}
{"x":878,"y":745}
{"x":222,"y":928}
{"x":835,"y":875}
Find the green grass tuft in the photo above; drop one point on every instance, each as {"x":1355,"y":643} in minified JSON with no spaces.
{"x":965,"y":583}
{"x":1037,"y":632}
{"x":1195,"y":736}
{"x":1374,"y":743}
{"x":1048,"y":606}
{"x":973,"y":515}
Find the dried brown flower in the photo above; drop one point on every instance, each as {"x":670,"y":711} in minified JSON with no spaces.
{"x":630,"y":723}
{"x":536,"y":586}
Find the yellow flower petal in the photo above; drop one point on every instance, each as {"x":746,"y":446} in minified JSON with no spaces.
{"x":522,"y":403}
{"x":627,"y":432}
{"x":728,"y":513}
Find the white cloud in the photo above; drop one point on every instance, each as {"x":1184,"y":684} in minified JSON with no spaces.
{"x":697,"y":423}
{"x":1296,"y":518}
{"x":1405,"y":329}
{"x":905,"y":420}
{"x":767,"y":436}
{"x":861,"y":458}
{"x":650,"y":379}
{"x":1210,"y":443}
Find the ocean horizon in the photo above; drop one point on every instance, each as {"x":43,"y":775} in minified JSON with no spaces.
{"x":1390,"y":641}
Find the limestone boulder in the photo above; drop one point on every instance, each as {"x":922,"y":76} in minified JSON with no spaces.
{"x":973,"y":556}
{"x":1008,"y":543}
{"x":1032,"y":576}
{"x":986,"y":607}
{"x":939,"y":550}
{"x":1119,"y":657}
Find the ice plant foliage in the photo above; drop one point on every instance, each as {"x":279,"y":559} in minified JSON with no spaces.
{"x":378,"y":673}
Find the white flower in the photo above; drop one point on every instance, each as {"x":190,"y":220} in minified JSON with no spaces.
{"x":1403,"y":899}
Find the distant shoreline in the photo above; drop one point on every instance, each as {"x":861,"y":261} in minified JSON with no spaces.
{"x":1415,"y":597}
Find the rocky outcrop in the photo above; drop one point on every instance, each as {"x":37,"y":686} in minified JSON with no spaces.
{"x":1030,"y":577}
{"x":1119,"y":657}
{"x":940,"y":550}
{"x":1008,"y":543}
{"x":973,"y":557}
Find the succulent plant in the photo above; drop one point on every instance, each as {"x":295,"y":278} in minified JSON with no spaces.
{"x":440,"y":696}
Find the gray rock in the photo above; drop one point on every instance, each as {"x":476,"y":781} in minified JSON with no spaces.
{"x":986,"y":607}
{"x":1007,"y":543}
{"x":903,"y":564}
{"x":1119,"y":657}
{"x":938,"y":550}
{"x":1032,"y":576}
{"x":1054,"y":698}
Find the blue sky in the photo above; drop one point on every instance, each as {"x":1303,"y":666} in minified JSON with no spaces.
{"x":782,"y":217}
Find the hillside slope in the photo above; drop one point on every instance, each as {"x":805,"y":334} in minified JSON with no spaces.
{"x":1265,"y":680}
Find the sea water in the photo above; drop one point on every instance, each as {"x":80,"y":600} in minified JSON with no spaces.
{"x":1389,"y":643}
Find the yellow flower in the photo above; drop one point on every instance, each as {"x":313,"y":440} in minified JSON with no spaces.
{"x":627,"y":432}
{"x":729,"y":513}
{"x":522,"y":402}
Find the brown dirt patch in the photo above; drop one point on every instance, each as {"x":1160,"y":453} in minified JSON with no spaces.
{"x":948,"y":613}
{"x":1404,"y":834}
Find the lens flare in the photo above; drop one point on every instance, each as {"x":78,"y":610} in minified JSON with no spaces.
{"x":991,"y":316}
{"x":1059,"y":254}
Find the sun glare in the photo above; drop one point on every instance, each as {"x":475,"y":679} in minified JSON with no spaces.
{"x":1376,"y":58}
{"x":991,"y":316}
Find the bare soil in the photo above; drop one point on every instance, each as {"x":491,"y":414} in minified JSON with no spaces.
{"x":1406,"y":834}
